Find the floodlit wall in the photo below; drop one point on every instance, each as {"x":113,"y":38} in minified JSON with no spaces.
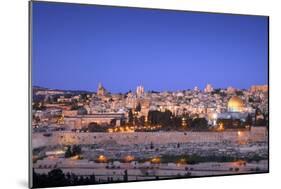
{"x":257,"y":134}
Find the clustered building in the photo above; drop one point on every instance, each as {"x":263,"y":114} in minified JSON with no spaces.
{"x":103,"y":107}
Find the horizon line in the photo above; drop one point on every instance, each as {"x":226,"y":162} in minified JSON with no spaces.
{"x":187,"y":89}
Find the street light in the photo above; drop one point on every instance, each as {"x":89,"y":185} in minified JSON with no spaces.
{"x":102,"y":158}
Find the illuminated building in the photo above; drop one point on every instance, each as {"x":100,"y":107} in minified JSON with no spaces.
{"x":196,"y":89}
{"x":140,"y":91}
{"x":235,"y":104}
{"x":236,"y":115}
{"x":230,"y":90}
{"x":101,"y":90}
{"x":208,"y":88}
{"x":259,"y":88}
{"x":80,"y":121}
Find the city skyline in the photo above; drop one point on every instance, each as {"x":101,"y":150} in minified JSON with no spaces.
{"x":148,"y":90}
{"x":75,"y":48}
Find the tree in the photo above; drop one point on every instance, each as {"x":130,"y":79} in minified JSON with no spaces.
{"x":166,"y":118}
{"x":136,"y":120}
{"x":177,"y":122}
{"x":76,"y":150}
{"x":152,"y":117}
{"x":130,"y":116}
{"x":151,"y":145}
{"x":56,"y":178}
{"x":239,"y":93}
{"x":163,"y":118}
{"x":142,"y":120}
{"x":113,"y":122}
{"x":72,"y":151}
{"x":68,"y":152}
{"x":250,"y":100}
{"x":93,"y":178}
{"x":125,"y":175}
{"x":199,"y":124}
{"x":94,"y":127}
{"x":84,"y":96}
{"x":138,"y":108}
{"x":249,"y":120}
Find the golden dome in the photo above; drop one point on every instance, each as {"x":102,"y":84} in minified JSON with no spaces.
{"x":235,"y":104}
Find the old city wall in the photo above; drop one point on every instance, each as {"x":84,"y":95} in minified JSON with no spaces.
{"x":257,"y":134}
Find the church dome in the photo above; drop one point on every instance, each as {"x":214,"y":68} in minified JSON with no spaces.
{"x":235,"y":104}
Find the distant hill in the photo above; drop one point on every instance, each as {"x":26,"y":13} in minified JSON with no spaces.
{"x":36,"y":88}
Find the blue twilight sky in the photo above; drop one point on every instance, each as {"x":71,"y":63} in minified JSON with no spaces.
{"x":77,"y":46}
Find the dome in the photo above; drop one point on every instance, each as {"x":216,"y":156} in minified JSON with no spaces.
{"x":235,"y":104}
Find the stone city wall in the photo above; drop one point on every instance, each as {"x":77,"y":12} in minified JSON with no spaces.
{"x":256,"y":134}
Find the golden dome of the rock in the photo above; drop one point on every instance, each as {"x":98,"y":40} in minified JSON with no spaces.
{"x":235,"y":104}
